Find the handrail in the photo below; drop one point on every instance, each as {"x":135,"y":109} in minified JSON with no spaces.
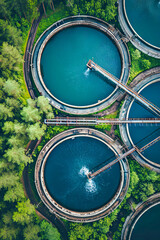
{"x":137,"y":96}
{"x":98,"y":121}
{"x":93,"y":174}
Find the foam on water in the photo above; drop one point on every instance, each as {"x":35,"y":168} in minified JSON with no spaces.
{"x":91,"y":186}
{"x":86,"y":73}
{"x":84,"y":171}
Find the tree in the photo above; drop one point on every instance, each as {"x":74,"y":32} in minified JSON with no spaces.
{"x":10,"y":34}
{"x":7,"y":218}
{"x":111,"y":12}
{"x":31,"y":9}
{"x":35,"y":131}
{"x":30,"y":114}
{"x":17,"y":155}
{"x":31,"y":102}
{"x":10,"y":57}
{"x":11,"y":102}
{"x":145,"y":63}
{"x":8,"y":179}
{"x":12,"y":88}
{"x":8,"y":127}
{"x":134,"y":179}
{"x":49,"y":232}
{"x":25,"y":212}
{"x":8,"y":232}
{"x":136,"y":55}
{"x":31,"y":232}
{"x":79,"y":231}
{"x":16,"y":141}
{"x":44,"y":105}
{"x":5,"y":112}
{"x":4,"y":11}
{"x":14,"y":193}
{"x":19,"y":128}
{"x":75,"y":9}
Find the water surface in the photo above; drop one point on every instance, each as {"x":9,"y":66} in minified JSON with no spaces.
{"x":64,"y":70}
{"x":144,"y":16}
{"x":148,"y":226}
{"x":142,"y":134}
{"x":66,"y":169}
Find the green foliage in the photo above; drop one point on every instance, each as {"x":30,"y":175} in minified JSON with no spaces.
{"x":12,"y":88}
{"x":35,"y":131}
{"x":25,"y":212}
{"x":140,"y":62}
{"x":14,"y":193}
{"x":79,"y":231}
{"x":17,"y":155}
{"x":31,"y":232}
{"x":44,"y":106}
{"x":8,"y":179}
{"x":49,"y":232}
{"x":136,"y":55}
{"x":104,"y":9}
{"x":10,"y":58}
{"x":8,"y":233}
{"x":144,"y":63}
{"x":30,"y":114}
{"x":110,"y":12}
{"x":59,"y":13}
{"x":10,"y":34}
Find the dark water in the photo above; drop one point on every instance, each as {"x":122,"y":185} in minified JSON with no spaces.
{"x":64,"y":65}
{"x":148,"y":226}
{"x":65,"y":174}
{"x":143,"y":134}
{"x":144,"y":16}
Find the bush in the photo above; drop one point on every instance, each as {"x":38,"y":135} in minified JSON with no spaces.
{"x":144,"y":63}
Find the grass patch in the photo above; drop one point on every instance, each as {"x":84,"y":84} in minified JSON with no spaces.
{"x":58,"y":14}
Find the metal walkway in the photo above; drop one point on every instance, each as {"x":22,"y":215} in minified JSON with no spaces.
{"x":93,"y":174}
{"x":137,"y":96}
{"x":74,"y":121}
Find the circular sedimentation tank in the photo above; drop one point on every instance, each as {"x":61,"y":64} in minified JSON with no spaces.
{"x":140,"y":135}
{"x":59,"y":64}
{"x":61,"y":175}
{"x":140,"y":22}
{"x":148,"y":221}
{"x":143,"y":223}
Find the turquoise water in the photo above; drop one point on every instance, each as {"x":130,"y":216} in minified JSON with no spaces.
{"x":144,"y":16}
{"x":143,"y":134}
{"x":64,"y":70}
{"x":66,"y":169}
{"x":148,"y":226}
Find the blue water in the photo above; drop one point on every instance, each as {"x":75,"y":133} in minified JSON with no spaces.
{"x":144,"y":16}
{"x":64,"y":68}
{"x":66,"y":169}
{"x":143,"y":134}
{"x":148,"y":226}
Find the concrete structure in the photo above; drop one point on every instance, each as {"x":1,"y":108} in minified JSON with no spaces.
{"x":124,"y":128}
{"x":132,"y":219}
{"x":101,"y":25}
{"x":130,"y":91}
{"x":52,"y":205}
{"x":132,"y":36}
